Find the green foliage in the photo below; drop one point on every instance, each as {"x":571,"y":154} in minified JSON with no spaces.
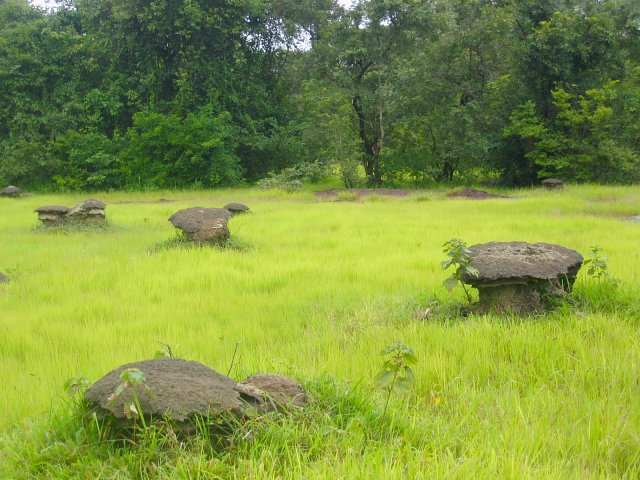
{"x":293,"y":178}
{"x":597,"y":266}
{"x":586,"y":140}
{"x":171,"y":151}
{"x":166,"y":351}
{"x":191,"y":93}
{"x":131,"y":378}
{"x":396,"y":375}
{"x":76,"y":385}
{"x":459,"y":258}
{"x":89,"y":161}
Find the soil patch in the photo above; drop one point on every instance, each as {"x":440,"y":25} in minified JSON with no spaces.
{"x":363,"y":192}
{"x":474,"y":194}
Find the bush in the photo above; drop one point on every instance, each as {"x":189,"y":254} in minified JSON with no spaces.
{"x":89,"y":161}
{"x":169,"y":151}
{"x":293,"y":178}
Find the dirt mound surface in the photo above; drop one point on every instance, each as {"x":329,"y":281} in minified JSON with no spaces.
{"x":236,"y":208}
{"x":363,"y":192}
{"x":283,"y":390}
{"x":474,"y":194}
{"x":520,"y":277}
{"x":11,"y":191}
{"x":174,"y":387}
{"x":203,"y":225}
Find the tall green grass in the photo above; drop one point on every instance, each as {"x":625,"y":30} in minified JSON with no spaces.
{"x":320,"y":288}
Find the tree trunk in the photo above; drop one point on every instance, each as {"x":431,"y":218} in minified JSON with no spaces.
{"x":371,"y":160}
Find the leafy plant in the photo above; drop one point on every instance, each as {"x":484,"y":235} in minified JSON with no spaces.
{"x":76,"y":385}
{"x":396,"y":374}
{"x":293,"y":178}
{"x":131,"y":377}
{"x":460,"y":258}
{"x":597,"y":266}
{"x":166,"y":351}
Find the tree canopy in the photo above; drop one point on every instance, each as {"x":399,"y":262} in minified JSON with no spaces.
{"x":101,"y":94}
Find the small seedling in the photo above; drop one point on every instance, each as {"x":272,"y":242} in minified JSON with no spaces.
{"x":131,"y":377}
{"x":460,"y":258}
{"x":396,"y":374}
{"x":76,"y":385}
{"x":166,"y":351}
{"x":597,"y":266}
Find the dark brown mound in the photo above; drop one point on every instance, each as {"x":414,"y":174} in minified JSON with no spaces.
{"x":55,"y":209}
{"x":474,"y":194}
{"x":87,"y":211}
{"x":520,"y":277}
{"x":52,"y":214}
{"x":11,"y":191}
{"x":552,"y":183}
{"x":236,"y":208}
{"x":520,"y":261}
{"x":203,"y":225}
{"x":284,"y":391}
{"x":173,"y":387}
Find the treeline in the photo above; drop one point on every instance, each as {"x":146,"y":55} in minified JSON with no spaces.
{"x":103,"y":94}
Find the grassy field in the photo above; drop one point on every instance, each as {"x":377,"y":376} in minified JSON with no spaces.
{"x":315,"y":290}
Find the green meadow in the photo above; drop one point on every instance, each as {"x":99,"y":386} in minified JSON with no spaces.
{"x":316,"y":289}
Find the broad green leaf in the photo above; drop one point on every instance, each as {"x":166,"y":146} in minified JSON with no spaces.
{"x":403,"y":385}
{"x":384,"y":378}
{"x":132,"y":376}
{"x":450,"y":283}
{"x":411,"y":358}
{"x":471,"y":271}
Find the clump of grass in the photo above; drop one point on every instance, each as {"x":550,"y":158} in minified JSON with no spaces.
{"x":347,"y":196}
{"x":181,"y":242}
{"x":375,"y":198}
{"x":423,"y":197}
{"x":431,"y":307}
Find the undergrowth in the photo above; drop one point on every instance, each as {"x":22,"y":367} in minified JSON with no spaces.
{"x":179,"y":241}
{"x":73,"y":443}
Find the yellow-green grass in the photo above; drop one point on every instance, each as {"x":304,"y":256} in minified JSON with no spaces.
{"x":321,"y":287}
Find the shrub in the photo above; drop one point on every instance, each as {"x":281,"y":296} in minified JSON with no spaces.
{"x":172,"y":151}
{"x":293,"y":178}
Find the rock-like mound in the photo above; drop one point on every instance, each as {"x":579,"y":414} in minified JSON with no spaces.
{"x":88,"y":211}
{"x":553,"y":183}
{"x":3,"y":278}
{"x":281,"y":392}
{"x":175,"y":388}
{"x":203,"y":225}
{"x":520,"y":277}
{"x":11,"y":191}
{"x":236,"y":208}
{"x":51,"y":214}
{"x":473,"y":194}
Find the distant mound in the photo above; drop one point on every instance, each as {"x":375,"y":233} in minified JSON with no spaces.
{"x":474,"y":194}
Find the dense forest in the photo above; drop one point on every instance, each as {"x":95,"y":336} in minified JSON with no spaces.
{"x":101,"y":94}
